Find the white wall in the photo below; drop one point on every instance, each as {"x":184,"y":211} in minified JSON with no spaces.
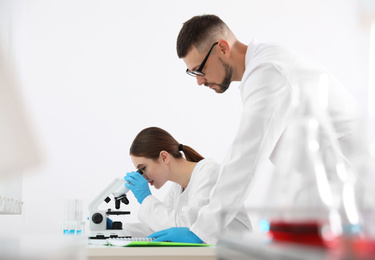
{"x":95,"y":73}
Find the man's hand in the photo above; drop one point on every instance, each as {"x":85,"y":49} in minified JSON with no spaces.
{"x":176,"y":234}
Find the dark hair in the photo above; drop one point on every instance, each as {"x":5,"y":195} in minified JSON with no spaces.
{"x":151,"y":141}
{"x":197,"y":30}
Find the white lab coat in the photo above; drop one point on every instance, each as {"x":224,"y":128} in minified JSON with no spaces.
{"x":271,"y":75}
{"x":180,"y":208}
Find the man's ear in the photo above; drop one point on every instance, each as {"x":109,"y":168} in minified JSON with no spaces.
{"x":224,"y":47}
{"x":164,"y":156}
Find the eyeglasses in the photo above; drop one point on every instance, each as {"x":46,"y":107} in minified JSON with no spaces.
{"x":199,"y":72}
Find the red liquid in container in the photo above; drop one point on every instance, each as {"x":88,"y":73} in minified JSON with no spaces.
{"x":303,"y":232}
{"x":355,"y":248}
{"x":309,"y":233}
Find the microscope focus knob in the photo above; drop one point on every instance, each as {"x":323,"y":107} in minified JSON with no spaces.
{"x":97,"y":218}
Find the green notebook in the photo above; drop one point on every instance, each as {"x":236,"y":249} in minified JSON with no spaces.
{"x":119,"y":242}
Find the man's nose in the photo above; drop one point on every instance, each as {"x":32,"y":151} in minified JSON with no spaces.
{"x":200,"y":80}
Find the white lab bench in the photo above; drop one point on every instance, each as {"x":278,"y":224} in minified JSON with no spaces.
{"x":249,"y":248}
{"x":252,"y":246}
{"x":94,"y":252}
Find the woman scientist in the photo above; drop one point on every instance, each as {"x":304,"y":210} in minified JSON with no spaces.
{"x":160,"y":157}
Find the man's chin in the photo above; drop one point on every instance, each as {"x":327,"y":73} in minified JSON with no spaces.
{"x":221,"y":89}
{"x":218,"y":88}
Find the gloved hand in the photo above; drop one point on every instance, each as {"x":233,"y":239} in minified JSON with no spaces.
{"x":176,"y":234}
{"x":138,"y":185}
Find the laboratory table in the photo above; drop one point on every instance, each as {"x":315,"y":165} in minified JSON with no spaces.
{"x":150,"y":253}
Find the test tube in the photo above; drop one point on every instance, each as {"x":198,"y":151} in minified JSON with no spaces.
{"x":65,"y":223}
{"x":73,"y":223}
{"x":79,"y":217}
{"x":72,"y":226}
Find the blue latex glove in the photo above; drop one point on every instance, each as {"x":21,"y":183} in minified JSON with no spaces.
{"x":176,"y":234}
{"x":109,"y":223}
{"x":138,"y":185}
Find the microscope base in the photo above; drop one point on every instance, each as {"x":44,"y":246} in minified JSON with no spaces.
{"x":109,"y":233}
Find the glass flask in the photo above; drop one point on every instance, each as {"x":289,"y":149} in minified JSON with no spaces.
{"x":361,"y":154}
{"x":310,"y":199}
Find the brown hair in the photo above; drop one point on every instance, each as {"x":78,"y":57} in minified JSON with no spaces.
{"x":199,"y":31}
{"x":151,"y":141}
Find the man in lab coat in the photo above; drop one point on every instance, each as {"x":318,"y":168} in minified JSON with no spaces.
{"x":269,"y":75}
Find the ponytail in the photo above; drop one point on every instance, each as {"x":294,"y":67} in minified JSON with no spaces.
{"x":190,"y":154}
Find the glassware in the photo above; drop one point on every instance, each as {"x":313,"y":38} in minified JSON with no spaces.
{"x":311,"y":197}
{"x":73,"y":223}
{"x":361,"y":246}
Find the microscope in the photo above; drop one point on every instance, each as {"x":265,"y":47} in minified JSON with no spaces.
{"x":98,"y":218}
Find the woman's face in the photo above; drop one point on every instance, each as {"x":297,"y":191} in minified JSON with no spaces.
{"x":155,"y":172}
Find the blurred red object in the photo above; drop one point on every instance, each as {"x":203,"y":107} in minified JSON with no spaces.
{"x":304,"y":232}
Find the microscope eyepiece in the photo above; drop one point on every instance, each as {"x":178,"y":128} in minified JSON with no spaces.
{"x":140,"y":171}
